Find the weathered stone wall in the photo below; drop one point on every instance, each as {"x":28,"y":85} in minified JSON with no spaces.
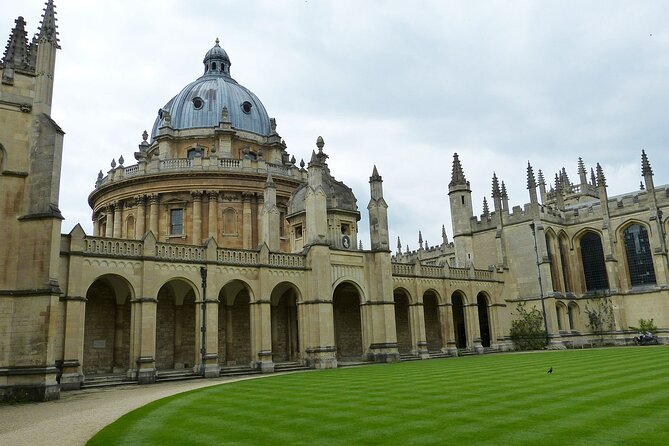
{"x":165,"y":329}
{"x":432,"y":327}
{"x":348,"y":331}
{"x":402,"y":324}
{"x":241,"y":331}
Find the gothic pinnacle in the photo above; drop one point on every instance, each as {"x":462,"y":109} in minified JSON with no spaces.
{"x":457,"y":175}
{"x":48,"y":31}
{"x":495,"y":186}
{"x":601,"y":179}
{"x":645,"y":165}
{"x":531,"y":183}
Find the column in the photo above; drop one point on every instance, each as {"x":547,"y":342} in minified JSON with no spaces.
{"x":247,"y":225}
{"x":141,"y":216}
{"x":109,"y":226}
{"x":146,"y":362}
{"x":473,"y":327}
{"x":197,"y":217}
{"x":118,"y":219}
{"x":213,"y":214}
{"x":153,"y":214}
{"x":448,"y":330}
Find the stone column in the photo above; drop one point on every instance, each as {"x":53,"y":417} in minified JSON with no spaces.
{"x":146,"y":362}
{"x":213,"y":214}
{"x":96,"y":226}
{"x":118,"y":220}
{"x":109,"y":226}
{"x":141,"y":216}
{"x":448,"y":329}
{"x":247,"y":221}
{"x":472,"y":327}
{"x":197,"y":217}
{"x":417,"y":327}
{"x":153,"y":214}
{"x":261,"y":334}
{"x":73,"y":345}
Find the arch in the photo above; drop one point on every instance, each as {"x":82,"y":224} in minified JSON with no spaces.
{"x":234,"y":323}
{"x":553,"y":251}
{"x":573,"y":316}
{"x":107,"y":326}
{"x":433,"y":326}
{"x":562,"y":316}
{"x":592,"y":261}
{"x":130,"y":227}
{"x":176,"y":330}
{"x":284,"y":321}
{"x":230,"y":221}
{"x":402,"y":320}
{"x":346,"y":302}
{"x":458,"y":300}
{"x":483,"y":302}
{"x":638,"y":254}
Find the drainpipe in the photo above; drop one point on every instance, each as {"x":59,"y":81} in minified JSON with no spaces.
{"x":203,"y":329}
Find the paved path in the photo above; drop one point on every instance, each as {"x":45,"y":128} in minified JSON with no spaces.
{"x":79,"y":414}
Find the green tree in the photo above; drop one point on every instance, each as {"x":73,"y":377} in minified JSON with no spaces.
{"x":600,"y":318}
{"x":645,"y":326}
{"x":527,"y":330}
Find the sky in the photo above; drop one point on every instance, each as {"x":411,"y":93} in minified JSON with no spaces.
{"x":396,"y":84}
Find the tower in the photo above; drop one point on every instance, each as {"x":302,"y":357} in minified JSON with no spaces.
{"x":378,"y":214}
{"x":460,"y":196}
{"x":30,"y":162}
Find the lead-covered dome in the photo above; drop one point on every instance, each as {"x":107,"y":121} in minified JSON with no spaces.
{"x":201,"y":103}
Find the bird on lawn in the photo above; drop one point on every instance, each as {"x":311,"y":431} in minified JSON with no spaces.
{"x":550,"y":370}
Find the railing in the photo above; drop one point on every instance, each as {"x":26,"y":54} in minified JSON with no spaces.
{"x":179,"y":163}
{"x":482,"y":274}
{"x":228,"y":163}
{"x":459,"y":273}
{"x":180,"y":252}
{"x":286,"y":260}
{"x":275,"y":168}
{"x":403,"y":269}
{"x":114,"y":247}
{"x":131,"y":171}
{"x":237,"y":256}
{"x":432,"y":271}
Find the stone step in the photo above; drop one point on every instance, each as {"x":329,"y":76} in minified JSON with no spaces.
{"x":238,"y":371}
{"x":289,"y":366}
{"x":409,"y":357}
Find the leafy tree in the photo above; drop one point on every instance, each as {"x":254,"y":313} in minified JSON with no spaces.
{"x":600,"y":318}
{"x":645,"y":326}
{"x":527,"y":330}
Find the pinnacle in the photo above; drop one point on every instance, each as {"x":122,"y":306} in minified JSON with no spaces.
{"x":495,"y":186}
{"x":531,"y":182}
{"x":457,"y":175}
{"x":601,"y":180}
{"x":48,"y":31}
{"x":645,"y":165}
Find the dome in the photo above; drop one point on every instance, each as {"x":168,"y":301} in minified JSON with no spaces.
{"x":201,"y":103}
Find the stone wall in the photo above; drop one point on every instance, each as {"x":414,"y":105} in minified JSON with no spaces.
{"x":402,"y":324}
{"x":348,"y":330}
{"x":432,"y":326}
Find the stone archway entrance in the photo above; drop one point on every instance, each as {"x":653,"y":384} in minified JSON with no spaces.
{"x":285,"y":340}
{"x":176,"y":331}
{"x":433,"y":331}
{"x":107,"y":326}
{"x":347,"y":322}
{"x":459,"y":320}
{"x":402,"y":324}
{"x":484,"y":319}
{"x":234,"y":324}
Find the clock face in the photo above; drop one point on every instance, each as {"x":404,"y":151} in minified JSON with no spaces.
{"x":346,"y":241}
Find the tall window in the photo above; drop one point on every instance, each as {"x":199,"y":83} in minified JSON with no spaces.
{"x":594,"y":268}
{"x":555,"y":270}
{"x":639,"y":258}
{"x":176,"y":221}
{"x":563,"y":244}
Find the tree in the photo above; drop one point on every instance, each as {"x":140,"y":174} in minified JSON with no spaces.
{"x":645,"y":326}
{"x":527,"y":330}
{"x":600,"y":318}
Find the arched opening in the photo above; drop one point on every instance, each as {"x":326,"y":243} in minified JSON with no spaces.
{"x":176,"y":332}
{"x":433,"y":331}
{"x":639,"y":257}
{"x":234,"y":324}
{"x":347,"y":322}
{"x":285,"y":340}
{"x":551,"y":246}
{"x":107,"y":326}
{"x":459,"y":320}
{"x":484,"y":319}
{"x":402,"y":325}
{"x":594,"y":268}
{"x":562,"y":316}
{"x":563,"y":244}
{"x":573,"y":315}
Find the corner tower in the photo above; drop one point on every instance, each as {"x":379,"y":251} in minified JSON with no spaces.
{"x":460,"y":196}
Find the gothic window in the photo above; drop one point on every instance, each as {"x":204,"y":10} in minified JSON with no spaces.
{"x":555,"y":269}
{"x":176,"y":221}
{"x":563,"y":245}
{"x":639,"y":258}
{"x":572,"y":312}
{"x":230,"y":221}
{"x":594,"y":268}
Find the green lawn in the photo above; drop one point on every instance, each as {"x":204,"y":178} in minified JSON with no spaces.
{"x":594,"y":397}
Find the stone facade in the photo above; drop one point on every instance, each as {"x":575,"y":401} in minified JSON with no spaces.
{"x":217,"y":250}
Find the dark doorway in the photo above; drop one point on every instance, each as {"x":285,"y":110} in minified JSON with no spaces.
{"x":459,"y":321}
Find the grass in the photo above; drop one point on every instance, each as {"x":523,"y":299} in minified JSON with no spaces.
{"x":594,"y":397}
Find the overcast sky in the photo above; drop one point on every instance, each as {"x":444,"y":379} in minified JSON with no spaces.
{"x":399,"y":84}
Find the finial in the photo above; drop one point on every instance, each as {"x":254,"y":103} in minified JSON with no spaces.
{"x":113,"y":163}
{"x":145,"y":136}
{"x":399,"y":245}
{"x":641,"y":186}
{"x":443,"y":231}
{"x":272,"y":124}
{"x":420,"y":239}
{"x":48,"y":31}
{"x":375,"y":175}
{"x":121,"y":161}
{"x":270,"y":181}
{"x":292,"y":160}
{"x":486,"y":210}
{"x":320,"y":143}
{"x":217,"y":41}
{"x":360,"y":245}
{"x":224,"y":114}
{"x":592,"y":177}
{"x":302,"y":163}
{"x":558,"y":183}
{"x":581,"y":166}
{"x":542,"y":182}
{"x":504,"y":195}
{"x":100,"y":175}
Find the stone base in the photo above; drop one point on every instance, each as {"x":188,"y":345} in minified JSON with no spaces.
{"x":453,"y":351}
{"x":212,"y":371}
{"x":71,"y":381}
{"x":146,"y":376}
{"x":266,"y":367}
{"x":37,"y":393}
{"x":321,"y":357}
{"x":385,"y":352}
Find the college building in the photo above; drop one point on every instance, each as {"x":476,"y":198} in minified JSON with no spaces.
{"x":215,"y":251}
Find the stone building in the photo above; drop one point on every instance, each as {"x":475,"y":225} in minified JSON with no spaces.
{"x":215,"y":252}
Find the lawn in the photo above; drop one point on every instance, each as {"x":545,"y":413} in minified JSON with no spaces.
{"x":593,"y":397}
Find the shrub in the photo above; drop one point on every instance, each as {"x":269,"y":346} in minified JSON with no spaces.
{"x":645,"y":326}
{"x":527,"y":330}
{"x":600,"y":318}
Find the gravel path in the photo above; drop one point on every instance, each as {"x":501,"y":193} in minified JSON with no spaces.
{"x":79,"y":414}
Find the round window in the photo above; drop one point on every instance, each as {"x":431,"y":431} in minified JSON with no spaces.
{"x":198,"y":103}
{"x":246,"y":107}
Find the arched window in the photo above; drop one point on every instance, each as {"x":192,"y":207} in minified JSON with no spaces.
{"x":563,"y":245}
{"x":639,"y":258}
{"x":572,"y":313}
{"x":555,"y":267}
{"x":594,"y":268}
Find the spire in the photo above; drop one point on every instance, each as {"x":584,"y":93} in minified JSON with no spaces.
{"x":592,"y":177}
{"x":420,"y":240}
{"x":16,"y":50}
{"x":601,"y":180}
{"x":444,"y":237}
{"x":531,"y":183}
{"x":645,"y":165}
{"x":457,"y":175}
{"x":542,"y":181}
{"x":48,"y":31}
{"x":565,"y":179}
{"x":505,"y":198}
{"x":581,"y":167}
{"x":375,"y":175}
{"x":495,"y":187}
{"x":486,"y":210}
{"x":399,"y":245}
